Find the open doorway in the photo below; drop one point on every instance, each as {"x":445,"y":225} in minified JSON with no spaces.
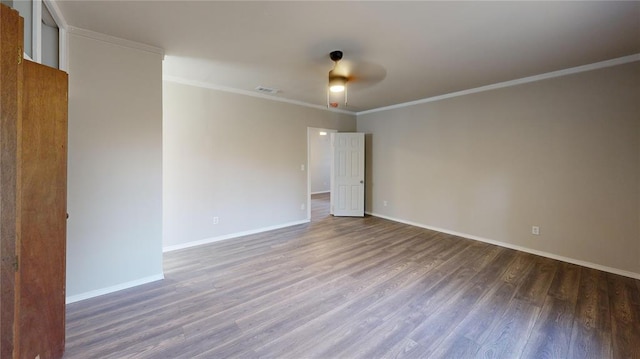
{"x":319,"y":172}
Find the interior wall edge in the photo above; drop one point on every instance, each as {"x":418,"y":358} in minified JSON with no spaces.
{"x":579,"y":262}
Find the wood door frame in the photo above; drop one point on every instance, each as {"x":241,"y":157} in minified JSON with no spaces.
{"x":11,"y":37}
{"x":42,"y":195}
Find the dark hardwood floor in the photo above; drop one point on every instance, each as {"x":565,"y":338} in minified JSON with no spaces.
{"x":361,"y":288}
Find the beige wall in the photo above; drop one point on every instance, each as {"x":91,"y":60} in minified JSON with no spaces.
{"x":234,"y":157}
{"x":563,"y":154}
{"x":115,"y":186}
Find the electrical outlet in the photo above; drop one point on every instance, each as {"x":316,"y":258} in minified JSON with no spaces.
{"x":384,"y":203}
{"x":535,"y":230}
{"x":302,"y":207}
{"x":216,"y":220}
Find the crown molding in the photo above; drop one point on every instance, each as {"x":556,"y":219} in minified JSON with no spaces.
{"x":207,"y":85}
{"x":524,"y":80}
{"x":115,"y":40}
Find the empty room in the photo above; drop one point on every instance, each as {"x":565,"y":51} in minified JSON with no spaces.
{"x":320,"y":179}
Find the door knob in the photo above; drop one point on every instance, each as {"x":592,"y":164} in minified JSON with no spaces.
{"x":361,"y":181}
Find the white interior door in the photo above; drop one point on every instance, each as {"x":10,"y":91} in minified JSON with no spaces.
{"x":347,"y":174}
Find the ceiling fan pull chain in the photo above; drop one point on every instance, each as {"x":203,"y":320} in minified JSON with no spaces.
{"x":346,"y":101}
{"x":328,"y":97}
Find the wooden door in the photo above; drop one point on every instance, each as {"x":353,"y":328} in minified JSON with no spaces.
{"x":347,"y":174}
{"x":11,"y":30}
{"x":33,"y":141}
{"x":42,"y":209}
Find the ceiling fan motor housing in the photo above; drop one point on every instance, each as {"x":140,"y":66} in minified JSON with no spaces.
{"x":335,"y":77}
{"x":336,"y":55}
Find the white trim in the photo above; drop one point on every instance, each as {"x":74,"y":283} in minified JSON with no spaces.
{"x":516,"y":247}
{"x":115,"y":40}
{"x":319,"y":192}
{"x":63,"y":50}
{"x":114,"y":288}
{"x":201,"y":242}
{"x":36,"y":31}
{"x":56,"y":13}
{"x":211,"y":86}
{"x":545,"y":76}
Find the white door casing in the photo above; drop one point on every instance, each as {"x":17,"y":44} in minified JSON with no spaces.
{"x":347,"y":174}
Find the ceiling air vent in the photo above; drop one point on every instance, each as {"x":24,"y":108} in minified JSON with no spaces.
{"x":267,"y":90}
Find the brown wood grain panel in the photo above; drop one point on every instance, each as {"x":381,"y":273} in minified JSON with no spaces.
{"x":592,"y":308}
{"x":589,"y":343}
{"x":519,"y":268}
{"x":387,"y":290}
{"x":455,"y":308}
{"x":624,"y":301}
{"x":11,"y":29}
{"x":591,"y":334}
{"x":566,"y":283}
{"x":384,"y":338}
{"x":508,"y":336}
{"x":490,"y":307}
{"x":551,"y":334}
{"x":535,"y":285}
{"x":42,"y":206}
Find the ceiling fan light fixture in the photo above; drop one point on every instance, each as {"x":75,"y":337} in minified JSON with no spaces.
{"x":336,"y":86}
{"x":337,"y":83}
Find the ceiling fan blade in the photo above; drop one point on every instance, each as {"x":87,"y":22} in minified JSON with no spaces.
{"x":366,"y":74}
{"x":343,"y":68}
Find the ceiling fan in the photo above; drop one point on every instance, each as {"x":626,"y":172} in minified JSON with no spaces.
{"x":337,"y":81}
{"x":363,"y":73}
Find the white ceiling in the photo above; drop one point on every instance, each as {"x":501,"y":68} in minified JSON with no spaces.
{"x":412,"y":50}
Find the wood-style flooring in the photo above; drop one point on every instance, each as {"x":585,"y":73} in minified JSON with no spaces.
{"x":361,"y":288}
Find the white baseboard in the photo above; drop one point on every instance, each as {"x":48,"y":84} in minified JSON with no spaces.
{"x":516,"y":247}
{"x":320,"y":192}
{"x":176,"y":247}
{"x":115,"y":288}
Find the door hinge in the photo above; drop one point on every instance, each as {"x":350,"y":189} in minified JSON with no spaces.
{"x":15,"y":264}
{"x":19,"y":55}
